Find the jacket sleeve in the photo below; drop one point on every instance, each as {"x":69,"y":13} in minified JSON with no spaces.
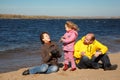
{"x":46,"y":56}
{"x":101,"y":47}
{"x":70,"y":39}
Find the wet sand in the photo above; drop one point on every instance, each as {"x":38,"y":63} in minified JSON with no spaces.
{"x":15,"y":60}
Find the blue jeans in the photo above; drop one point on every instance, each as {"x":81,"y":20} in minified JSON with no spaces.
{"x":44,"y":68}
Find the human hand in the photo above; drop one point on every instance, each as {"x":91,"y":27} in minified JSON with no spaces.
{"x":98,"y":53}
{"x":50,"y":54}
{"x":61,"y":39}
{"x":54,"y":52}
{"x":82,"y":53}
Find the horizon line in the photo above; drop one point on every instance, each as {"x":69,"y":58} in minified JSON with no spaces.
{"x":49,"y":16}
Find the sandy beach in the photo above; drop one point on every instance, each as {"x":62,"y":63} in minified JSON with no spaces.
{"x":79,"y":74}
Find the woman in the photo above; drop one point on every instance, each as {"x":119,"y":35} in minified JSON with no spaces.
{"x":49,"y":53}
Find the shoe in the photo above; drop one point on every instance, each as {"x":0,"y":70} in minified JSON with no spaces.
{"x":72,"y":69}
{"x":60,"y":65}
{"x":26,"y":72}
{"x":112,"y":67}
{"x":65,"y":67}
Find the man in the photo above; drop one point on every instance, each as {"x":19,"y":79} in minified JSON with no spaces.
{"x":88,"y":51}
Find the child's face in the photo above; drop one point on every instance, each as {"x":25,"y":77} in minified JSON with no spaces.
{"x":67,"y":28}
{"x":46,"y":38}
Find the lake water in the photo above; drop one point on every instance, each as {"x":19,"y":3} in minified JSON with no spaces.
{"x":24,"y":33}
{"x":20,"y":44}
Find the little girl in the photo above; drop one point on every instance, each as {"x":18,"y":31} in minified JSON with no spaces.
{"x":68,"y":41}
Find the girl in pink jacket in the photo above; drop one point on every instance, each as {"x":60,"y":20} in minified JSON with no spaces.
{"x":68,"y":41}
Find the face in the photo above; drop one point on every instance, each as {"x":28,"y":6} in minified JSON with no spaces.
{"x":88,"y":40}
{"x":46,"y":38}
{"x":67,"y":28}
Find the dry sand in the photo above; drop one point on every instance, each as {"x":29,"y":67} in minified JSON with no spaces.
{"x":79,"y":74}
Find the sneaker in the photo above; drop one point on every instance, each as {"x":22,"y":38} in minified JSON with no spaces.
{"x":72,"y":69}
{"x":26,"y":72}
{"x":112,"y":67}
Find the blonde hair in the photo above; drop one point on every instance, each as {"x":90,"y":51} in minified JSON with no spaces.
{"x":72,"y":25}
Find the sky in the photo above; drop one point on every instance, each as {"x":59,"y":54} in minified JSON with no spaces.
{"x":61,"y":7}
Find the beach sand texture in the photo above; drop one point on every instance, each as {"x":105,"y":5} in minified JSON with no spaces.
{"x":79,"y":74}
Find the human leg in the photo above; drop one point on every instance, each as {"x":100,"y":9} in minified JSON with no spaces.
{"x":106,"y":64}
{"x":94,"y":62}
{"x":66,"y":60}
{"x":71,"y":59}
{"x":52,"y":68}
{"x":66,"y":57}
{"x":84,"y":63}
{"x":37,"y":69}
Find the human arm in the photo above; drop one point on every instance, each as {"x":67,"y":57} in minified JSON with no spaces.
{"x":45,"y":54}
{"x":55,"y":50}
{"x":69,"y":38}
{"x":101,"y":49}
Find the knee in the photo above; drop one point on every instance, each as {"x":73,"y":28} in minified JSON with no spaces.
{"x":85,"y":58}
{"x":52,"y":69}
{"x":55,"y":68}
{"x":44,"y":67}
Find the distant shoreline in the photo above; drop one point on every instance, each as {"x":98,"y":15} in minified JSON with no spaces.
{"x":14,"y":16}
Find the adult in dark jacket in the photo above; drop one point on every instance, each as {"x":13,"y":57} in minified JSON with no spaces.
{"x":50,"y":53}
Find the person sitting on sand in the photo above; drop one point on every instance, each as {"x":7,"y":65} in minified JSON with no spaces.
{"x":50,"y":53}
{"x":88,"y":51}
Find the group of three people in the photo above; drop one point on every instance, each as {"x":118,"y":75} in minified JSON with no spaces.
{"x":85,"y":53}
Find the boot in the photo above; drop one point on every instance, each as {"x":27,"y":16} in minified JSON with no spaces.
{"x":65,"y":67}
{"x":72,"y":69}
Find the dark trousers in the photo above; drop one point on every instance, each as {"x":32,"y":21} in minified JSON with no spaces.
{"x":85,"y":62}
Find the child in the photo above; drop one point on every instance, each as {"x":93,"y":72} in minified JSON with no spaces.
{"x":68,"y":41}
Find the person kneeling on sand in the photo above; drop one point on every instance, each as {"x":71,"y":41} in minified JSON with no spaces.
{"x":88,"y":51}
{"x":50,"y":53}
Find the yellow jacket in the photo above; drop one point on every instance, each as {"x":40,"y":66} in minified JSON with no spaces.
{"x":88,"y":49}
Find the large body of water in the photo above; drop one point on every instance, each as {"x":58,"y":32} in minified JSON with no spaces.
{"x":24,"y":34}
{"x":19,"y":38}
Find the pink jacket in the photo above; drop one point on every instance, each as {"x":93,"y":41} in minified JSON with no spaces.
{"x":69,"y":40}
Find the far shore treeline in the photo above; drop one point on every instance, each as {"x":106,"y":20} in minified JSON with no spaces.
{"x":15,"y":16}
